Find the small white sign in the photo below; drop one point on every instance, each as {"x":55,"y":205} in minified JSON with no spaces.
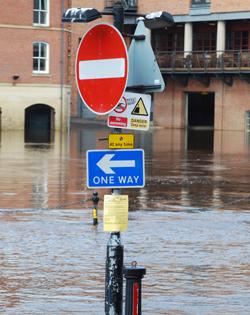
{"x":132,"y":112}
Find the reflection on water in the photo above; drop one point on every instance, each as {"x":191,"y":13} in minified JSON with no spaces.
{"x":201,"y":139}
{"x":189,"y":226}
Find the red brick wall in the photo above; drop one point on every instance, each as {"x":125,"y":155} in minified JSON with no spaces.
{"x":230,"y":103}
{"x":230,"y":6}
{"x":173,"y":7}
{"x":16,"y":12}
{"x":17,"y":34}
{"x":179,"y":7}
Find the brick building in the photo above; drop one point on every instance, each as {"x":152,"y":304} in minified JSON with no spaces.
{"x":204,"y":58}
{"x":34,"y":87}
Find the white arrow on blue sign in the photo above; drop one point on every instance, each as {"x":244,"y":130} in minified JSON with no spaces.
{"x":115,"y":168}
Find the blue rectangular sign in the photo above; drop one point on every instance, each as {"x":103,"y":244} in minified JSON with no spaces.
{"x":115,"y":168}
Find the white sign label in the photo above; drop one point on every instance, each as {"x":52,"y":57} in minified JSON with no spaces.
{"x":102,"y":69}
{"x":133,"y":112}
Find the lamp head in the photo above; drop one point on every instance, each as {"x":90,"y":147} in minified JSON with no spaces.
{"x":81,"y":15}
{"x":159,"y":19}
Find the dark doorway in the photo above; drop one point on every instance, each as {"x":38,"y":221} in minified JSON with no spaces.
{"x":39,"y":123}
{"x":200,"y":140}
{"x":200,"y":121}
{"x":200,"y":110}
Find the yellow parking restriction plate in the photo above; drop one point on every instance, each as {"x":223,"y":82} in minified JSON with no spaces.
{"x":121,"y":141}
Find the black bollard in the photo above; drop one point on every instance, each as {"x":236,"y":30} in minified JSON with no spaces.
{"x":114,"y":277}
{"x":133,"y":275}
{"x":95,"y":200}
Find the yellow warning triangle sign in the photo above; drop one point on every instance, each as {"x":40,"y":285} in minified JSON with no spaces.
{"x":139,"y":109}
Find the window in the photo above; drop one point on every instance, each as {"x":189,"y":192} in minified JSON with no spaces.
{"x":163,"y":40}
{"x":204,"y":41}
{"x":247,"y":121}
{"x":41,"y":12}
{"x":200,"y":1}
{"x":131,"y":3}
{"x":40,"y":57}
{"x":237,"y":40}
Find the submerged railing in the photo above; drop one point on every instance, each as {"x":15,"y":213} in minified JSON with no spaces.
{"x":204,"y":60}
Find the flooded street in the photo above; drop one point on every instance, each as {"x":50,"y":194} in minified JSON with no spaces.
{"x":189,"y":226}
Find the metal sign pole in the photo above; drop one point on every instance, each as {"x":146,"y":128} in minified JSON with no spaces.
{"x":115,"y":250}
{"x":114,"y":276}
{"x":87,"y":71}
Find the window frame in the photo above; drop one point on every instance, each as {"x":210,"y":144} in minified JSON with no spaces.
{"x":238,"y":40}
{"x":168,"y":40}
{"x":204,"y":41}
{"x":200,"y":2}
{"x":40,"y":12}
{"x":247,"y":121}
{"x":40,"y":57}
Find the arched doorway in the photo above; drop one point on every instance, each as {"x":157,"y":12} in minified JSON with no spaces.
{"x":39,"y":123}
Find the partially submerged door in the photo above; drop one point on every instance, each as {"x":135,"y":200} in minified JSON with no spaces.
{"x":39,"y":123}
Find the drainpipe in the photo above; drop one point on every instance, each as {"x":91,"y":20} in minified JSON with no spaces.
{"x":61,"y":70}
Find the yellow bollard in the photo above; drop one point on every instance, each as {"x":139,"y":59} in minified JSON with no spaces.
{"x":95,"y":200}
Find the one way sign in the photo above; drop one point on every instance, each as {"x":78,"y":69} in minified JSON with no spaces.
{"x":115,"y":168}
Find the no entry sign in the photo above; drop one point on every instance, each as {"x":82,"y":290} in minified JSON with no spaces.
{"x":101,"y":68}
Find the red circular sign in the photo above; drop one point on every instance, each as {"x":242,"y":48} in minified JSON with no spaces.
{"x":101,"y":68}
{"x":122,"y":106}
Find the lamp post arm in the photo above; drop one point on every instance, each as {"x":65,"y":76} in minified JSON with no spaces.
{"x":84,"y":15}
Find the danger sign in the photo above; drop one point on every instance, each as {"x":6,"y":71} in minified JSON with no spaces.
{"x":140,"y":108}
{"x":133,"y":112}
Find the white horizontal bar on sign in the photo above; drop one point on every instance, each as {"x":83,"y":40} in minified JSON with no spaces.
{"x":102,"y":69}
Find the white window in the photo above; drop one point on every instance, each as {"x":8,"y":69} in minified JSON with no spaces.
{"x":41,"y":12}
{"x":40,"y":57}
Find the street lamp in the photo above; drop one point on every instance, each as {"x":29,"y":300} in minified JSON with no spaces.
{"x":153,"y":20}
{"x":114,"y":260}
{"x":81,"y":15}
{"x":159,"y":19}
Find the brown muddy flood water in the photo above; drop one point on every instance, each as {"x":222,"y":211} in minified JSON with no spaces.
{"x":189,"y":226}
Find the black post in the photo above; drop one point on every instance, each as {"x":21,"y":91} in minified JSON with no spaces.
{"x":114,"y":260}
{"x":133,"y":275}
{"x":95,"y":200}
{"x":118,"y":12}
{"x":114,"y":276}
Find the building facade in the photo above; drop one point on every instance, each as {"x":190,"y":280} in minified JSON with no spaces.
{"x":204,"y":58}
{"x":34,"y":85}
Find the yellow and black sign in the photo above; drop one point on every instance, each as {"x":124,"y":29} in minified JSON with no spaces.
{"x":121,"y":141}
{"x":140,"y":109}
